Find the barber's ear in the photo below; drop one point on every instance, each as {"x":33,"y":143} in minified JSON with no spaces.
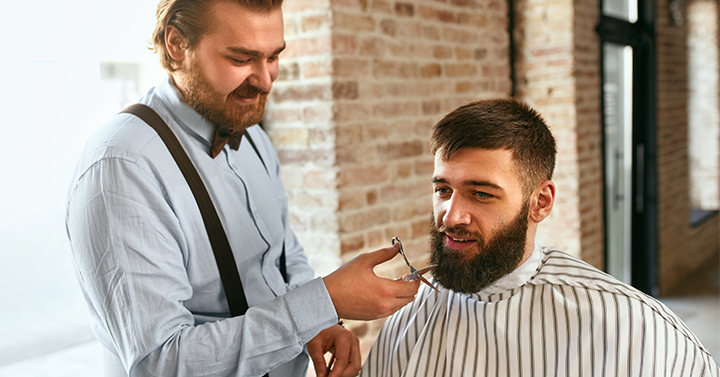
{"x":542,"y":201}
{"x":175,"y":43}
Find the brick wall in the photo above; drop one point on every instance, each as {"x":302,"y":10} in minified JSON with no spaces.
{"x":558,"y":73}
{"x":362,"y":83}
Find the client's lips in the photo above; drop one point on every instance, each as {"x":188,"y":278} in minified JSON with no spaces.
{"x":457,"y":242}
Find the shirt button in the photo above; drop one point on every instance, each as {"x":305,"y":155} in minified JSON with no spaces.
{"x":234,"y":166}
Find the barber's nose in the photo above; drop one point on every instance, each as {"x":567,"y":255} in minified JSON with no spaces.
{"x":262,"y":77}
{"x":456,"y":212}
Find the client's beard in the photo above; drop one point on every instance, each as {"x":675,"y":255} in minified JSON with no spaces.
{"x":460,"y":272}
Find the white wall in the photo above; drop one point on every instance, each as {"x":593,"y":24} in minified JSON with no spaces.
{"x":51,"y":99}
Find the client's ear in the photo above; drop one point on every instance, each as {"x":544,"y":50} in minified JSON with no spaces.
{"x":541,"y":202}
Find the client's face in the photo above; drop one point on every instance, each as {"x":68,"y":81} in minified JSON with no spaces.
{"x":480,"y":219}
{"x":494,"y":258}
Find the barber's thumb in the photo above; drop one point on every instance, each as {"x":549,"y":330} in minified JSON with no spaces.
{"x":385,"y":254}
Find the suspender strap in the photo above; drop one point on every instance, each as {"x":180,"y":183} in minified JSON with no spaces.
{"x":218,"y":239}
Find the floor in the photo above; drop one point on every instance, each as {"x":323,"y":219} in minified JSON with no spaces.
{"x":696,"y":301}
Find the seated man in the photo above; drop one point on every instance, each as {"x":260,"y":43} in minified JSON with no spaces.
{"x":507,"y":306}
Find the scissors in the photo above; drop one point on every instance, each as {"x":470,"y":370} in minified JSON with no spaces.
{"x":414,"y":274}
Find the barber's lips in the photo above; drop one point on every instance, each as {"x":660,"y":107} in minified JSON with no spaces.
{"x":456,"y":242}
{"x":247,"y":98}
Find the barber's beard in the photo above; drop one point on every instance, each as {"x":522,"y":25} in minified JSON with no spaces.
{"x":220,"y":109}
{"x":460,"y":272}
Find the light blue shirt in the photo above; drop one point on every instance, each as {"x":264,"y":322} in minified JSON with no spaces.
{"x":146,"y":268}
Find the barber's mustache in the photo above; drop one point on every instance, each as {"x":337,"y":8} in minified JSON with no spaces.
{"x":247,"y":90}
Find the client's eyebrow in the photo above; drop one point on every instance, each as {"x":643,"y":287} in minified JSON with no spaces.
{"x":470,"y":182}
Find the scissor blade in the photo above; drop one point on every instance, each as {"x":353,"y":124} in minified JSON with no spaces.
{"x":428,"y":283}
{"x":424,"y":270}
{"x":418,"y":275}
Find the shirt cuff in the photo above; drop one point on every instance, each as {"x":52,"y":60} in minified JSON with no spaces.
{"x":311,"y":308}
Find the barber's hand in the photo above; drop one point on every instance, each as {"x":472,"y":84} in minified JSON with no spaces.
{"x":346,"y":354}
{"x":360,"y":294}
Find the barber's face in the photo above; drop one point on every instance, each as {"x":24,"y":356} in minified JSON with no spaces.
{"x":480,"y":219}
{"x":228,"y":75}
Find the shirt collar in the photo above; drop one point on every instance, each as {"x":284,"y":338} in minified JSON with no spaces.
{"x":185,"y":116}
{"x":518,"y":277}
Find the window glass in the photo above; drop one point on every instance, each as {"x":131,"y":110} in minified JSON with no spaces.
{"x":625,"y":10}
{"x":703,"y":113}
{"x":617,"y":111}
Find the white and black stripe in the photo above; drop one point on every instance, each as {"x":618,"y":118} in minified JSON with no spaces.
{"x":562,"y":318}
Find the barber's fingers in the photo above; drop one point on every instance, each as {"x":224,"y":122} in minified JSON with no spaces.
{"x":347,"y":358}
{"x":317,"y":355}
{"x":376,"y":257}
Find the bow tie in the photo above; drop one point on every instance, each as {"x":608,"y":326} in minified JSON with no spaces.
{"x":225,"y":135}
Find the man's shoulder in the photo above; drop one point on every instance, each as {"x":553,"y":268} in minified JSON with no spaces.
{"x":562,"y":269}
{"x":123,"y":136}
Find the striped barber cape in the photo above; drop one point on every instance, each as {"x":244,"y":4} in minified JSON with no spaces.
{"x":553,"y":316}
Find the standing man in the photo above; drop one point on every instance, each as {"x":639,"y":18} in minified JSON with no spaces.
{"x":507,"y":306}
{"x":142,"y":254}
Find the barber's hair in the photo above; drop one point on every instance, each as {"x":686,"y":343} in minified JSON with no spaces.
{"x":500,"y":123}
{"x":190,"y":17}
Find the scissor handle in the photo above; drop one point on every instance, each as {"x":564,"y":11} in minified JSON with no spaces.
{"x":402,"y":252}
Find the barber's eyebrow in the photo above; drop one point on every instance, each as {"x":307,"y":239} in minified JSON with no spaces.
{"x":470,"y":183}
{"x":254,"y":53}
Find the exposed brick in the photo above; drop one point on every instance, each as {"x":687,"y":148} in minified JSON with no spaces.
{"x":352,"y":22}
{"x":371,"y":197}
{"x":397,"y":69}
{"x":344,"y":44}
{"x":323,"y":157}
{"x":352,"y":244}
{"x":430,"y":107}
{"x":348,"y":200}
{"x":316,"y":45}
{"x":431,"y":32}
{"x":436,"y":14}
{"x":480,"y":53}
{"x":351,"y":111}
{"x":463,"y":87}
{"x":394,"y":151}
{"x":289,"y":137}
{"x":351,"y":67}
{"x":316,"y":68}
{"x":455,"y":35}
{"x":389,"y":27}
{"x":353,"y":177}
{"x":348,"y":134}
{"x":404,"y":9}
{"x":289,"y":72}
{"x":372,"y":47}
{"x":420,"y":228}
{"x":476,"y":20}
{"x":315,"y":22}
{"x":297,"y":93}
{"x":442,"y":52}
{"x":381,"y":6}
{"x":460,"y":70}
{"x":317,"y":112}
{"x":345,"y":90}
{"x":431,"y":70}
{"x":462,"y":53}
{"x":320,"y":179}
{"x":364,"y":219}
